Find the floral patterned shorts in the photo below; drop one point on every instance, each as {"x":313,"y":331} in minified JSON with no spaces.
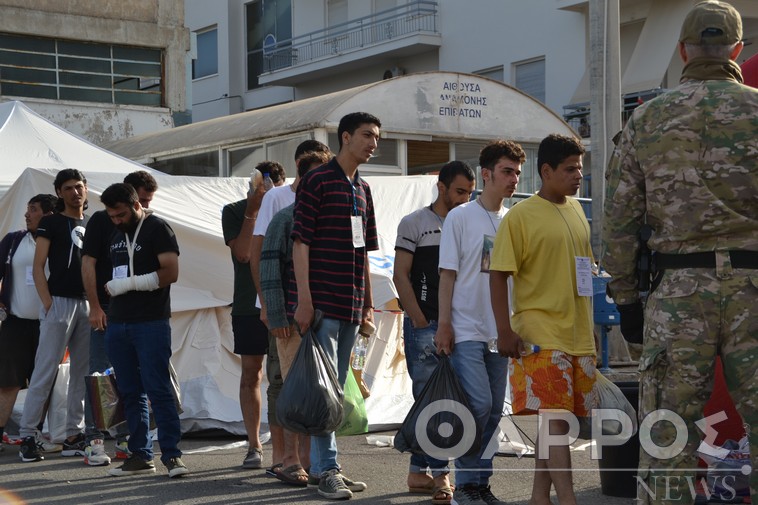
{"x":551,"y":379}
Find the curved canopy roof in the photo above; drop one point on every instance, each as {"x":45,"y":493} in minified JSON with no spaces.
{"x":444,"y":104}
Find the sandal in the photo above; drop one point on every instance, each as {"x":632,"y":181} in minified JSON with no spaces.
{"x":425,"y":489}
{"x":273,"y":471}
{"x":442,"y":495}
{"x":294,"y":475}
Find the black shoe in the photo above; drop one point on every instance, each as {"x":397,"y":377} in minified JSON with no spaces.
{"x":77,"y":447}
{"x":485,"y":493}
{"x":30,"y":451}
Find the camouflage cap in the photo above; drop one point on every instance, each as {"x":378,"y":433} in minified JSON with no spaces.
{"x":712,"y":23}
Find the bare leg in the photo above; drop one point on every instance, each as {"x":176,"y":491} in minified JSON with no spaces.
{"x":250,"y":397}
{"x":304,"y":449}
{"x":558,"y":466}
{"x":7,"y":401}
{"x":290,"y":454}
{"x":277,"y":443}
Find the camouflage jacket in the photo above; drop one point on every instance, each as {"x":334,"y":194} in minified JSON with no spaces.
{"x":687,"y":162}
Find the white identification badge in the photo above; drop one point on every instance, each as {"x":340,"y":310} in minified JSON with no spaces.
{"x":583,"y":275}
{"x":356,"y":223}
{"x":121,"y":272}
{"x":29,"y":276}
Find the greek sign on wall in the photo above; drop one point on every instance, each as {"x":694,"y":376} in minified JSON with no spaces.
{"x":462,"y":99}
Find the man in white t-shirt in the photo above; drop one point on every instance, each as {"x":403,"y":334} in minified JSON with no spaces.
{"x":19,"y":332}
{"x":273,"y":201}
{"x":466,"y":321}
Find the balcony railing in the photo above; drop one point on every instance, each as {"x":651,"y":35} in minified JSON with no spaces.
{"x":415,"y":17}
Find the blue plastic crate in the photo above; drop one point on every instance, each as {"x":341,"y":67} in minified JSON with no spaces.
{"x":604,"y":308}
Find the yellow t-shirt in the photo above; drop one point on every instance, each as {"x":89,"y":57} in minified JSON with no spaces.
{"x":538,"y":242}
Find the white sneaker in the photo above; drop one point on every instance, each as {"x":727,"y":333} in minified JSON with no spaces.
{"x":45,"y":445}
{"x":94,"y":454}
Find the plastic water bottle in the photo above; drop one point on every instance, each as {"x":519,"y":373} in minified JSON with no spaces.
{"x":528,"y":348}
{"x":359,"y":352}
{"x":267,"y":182}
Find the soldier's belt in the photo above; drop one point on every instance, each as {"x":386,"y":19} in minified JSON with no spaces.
{"x":739,"y":259}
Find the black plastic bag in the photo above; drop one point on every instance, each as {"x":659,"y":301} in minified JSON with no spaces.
{"x":310,"y":401}
{"x":447,"y":426}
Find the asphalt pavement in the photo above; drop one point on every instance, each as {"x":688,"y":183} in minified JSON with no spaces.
{"x":217,"y":477}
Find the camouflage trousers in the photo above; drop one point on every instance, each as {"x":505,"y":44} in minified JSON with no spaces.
{"x":693,"y":316}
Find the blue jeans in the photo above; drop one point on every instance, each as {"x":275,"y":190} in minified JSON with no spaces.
{"x":99,"y":362}
{"x":337,"y":339}
{"x":482,"y":375}
{"x":421,"y":359}
{"x":140,"y":355}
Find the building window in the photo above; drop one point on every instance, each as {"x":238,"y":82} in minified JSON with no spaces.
{"x":207,"y":53}
{"x":494,"y":73}
{"x":530,"y":78}
{"x":269,"y":34}
{"x":37,"y":67}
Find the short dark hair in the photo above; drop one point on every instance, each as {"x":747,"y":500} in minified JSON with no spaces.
{"x":46,"y":202}
{"x":352,"y":121}
{"x":555,"y":148}
{"x":311,"y":145}
{"x":119,"y":193}
{"x":274,"y":169}
{"x":62,"y":176}
{"x":453,"y":169}
{"x":142,"y":179}
{"x":307,"y":159}
{"x":492,"y":152}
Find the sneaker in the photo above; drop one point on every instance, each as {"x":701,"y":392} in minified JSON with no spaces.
{"x":122,"y":450}
{"x":332,"y":487}
{"x":76,"y":447}
{"x":94,"y":454}
{"x":485,"y":493}
{"x":30,"y":450}
{"x":11,"y":441}
{"x":354,"y":486}
{"x":133,"y":466}
{"x":254,"y":458}
{"x":46,"y":445}
{"x":468,"y":494}
{"x":176,"y":468}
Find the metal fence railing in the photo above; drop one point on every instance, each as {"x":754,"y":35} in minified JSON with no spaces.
{"x":418,"y":16}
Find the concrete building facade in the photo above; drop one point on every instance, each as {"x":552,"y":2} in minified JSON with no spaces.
{"x":275,"y":51}
{"x":102,"y":69}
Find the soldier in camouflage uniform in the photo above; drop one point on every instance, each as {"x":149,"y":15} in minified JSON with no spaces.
{"x":687,"y":164}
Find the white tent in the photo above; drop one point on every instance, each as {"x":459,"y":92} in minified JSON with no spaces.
{"x":29,"y":140}
{"x":201,"y":324}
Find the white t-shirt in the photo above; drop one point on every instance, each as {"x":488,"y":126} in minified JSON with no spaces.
{"x":468,"y":236}
{"x":273,"y":201}
{"x":25,"y":302}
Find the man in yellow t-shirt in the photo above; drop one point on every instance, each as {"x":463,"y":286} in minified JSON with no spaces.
{"x":544,"y":243}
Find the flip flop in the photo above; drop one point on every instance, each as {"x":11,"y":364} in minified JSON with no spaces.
{"x":273,"y":470}
{"x":442,"y":495}
{"x":294,"y":475}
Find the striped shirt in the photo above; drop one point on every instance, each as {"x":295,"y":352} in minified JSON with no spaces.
{"x":324,"y":204}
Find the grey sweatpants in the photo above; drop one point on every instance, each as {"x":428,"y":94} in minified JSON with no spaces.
{"x":65,"y":324}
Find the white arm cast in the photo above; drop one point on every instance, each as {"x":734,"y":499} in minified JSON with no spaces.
{"x":145,"y":282}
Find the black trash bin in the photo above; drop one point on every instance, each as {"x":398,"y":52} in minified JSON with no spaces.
{"x":618,"y":466}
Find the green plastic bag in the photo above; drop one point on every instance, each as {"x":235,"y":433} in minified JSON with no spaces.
{"x":356,"y":419}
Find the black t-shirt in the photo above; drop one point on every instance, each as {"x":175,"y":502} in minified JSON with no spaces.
{"x":155,"y":237}
{"x":97,"y":244}
{"x":66,"y":236}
